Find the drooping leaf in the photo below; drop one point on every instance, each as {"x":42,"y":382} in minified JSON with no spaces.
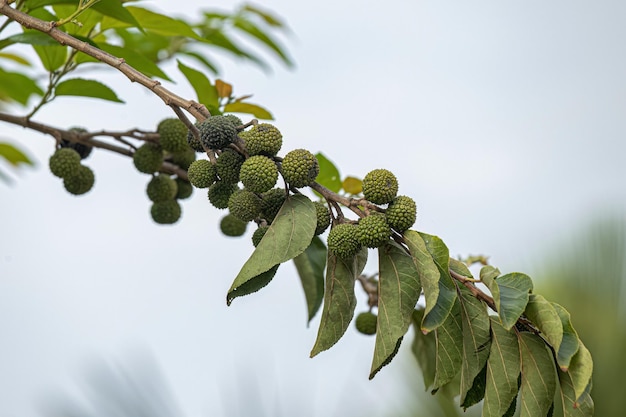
{"x":310,"y":265}
{"x":222,"y":41}
{"x":584,"y":407}
{"x":268,"y":17}
{"x":287,"y":237}
{"x":543,"y":315}
{"x":254,"y":284}
{"x":13,"y":155}
{"x":206,"y":92}
{"x":352,"y":185}
{"x":569,"y":344}
{"x":111,"y":8}
{"x":162,"y":24}
{"x":580,"y":370}
{"x":339,"y":299}
{"x":424,"y":349}
{"x":538,"y":376}
{"x":476,"y":338}
{"x":17,"y":87}
{"x":86,"y":88}
{"x":30,"y":37}
{"x":224,"y":89}
{"x":398,"y":291}
{"x":135,"y":60}
{"x":254,"y":31}
{"x":510,"y":293}
{"x":329,"y":174}
{"x":202,"y":59}
{"x":449,"y":338}
{"x":503,"y":369}
{"x":248,"y":108}
{"x":431,"y":258}
{"x":476,"y":393}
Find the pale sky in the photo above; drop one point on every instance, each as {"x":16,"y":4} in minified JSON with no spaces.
{"x":504,"y":121}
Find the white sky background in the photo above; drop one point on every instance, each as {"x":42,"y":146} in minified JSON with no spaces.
{"x":504,"y":120}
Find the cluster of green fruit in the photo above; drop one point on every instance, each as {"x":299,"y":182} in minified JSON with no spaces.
{"x":243,"y":178}
{"x":65,"y":163}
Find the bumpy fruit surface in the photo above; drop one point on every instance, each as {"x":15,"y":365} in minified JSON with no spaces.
{"x":148,"y":158}
{"x":194,"y":143}
{"x":217,"y":132}
{"x":244,"y":205}
{"x":81,"y":182}
{"x":401,"y":213}
{"x":184,"y":189}
{"x":165,"y":212}
{"x":300,"y":168}
{"x":323,"y":217}
{"x":258,"y":174}
{"x":228,"y":166}
{"x":342,"y":240}
{"x":366,"y":323}
{"x":219,"y":194}
{"x":161,"y":188}
{"x":258,"y":235}
{"x":232,"y":226}
{"x":263,"y":139}
{"x":185,"y":158}
{"x":380,"y":186}
{"x":373,"y":230}
{"x":236,"y":121}
{"x":172,"y":135}
{"x":201,"y":173}
{"x":83,"y":150}
{"x":64,"y":162}
{"x":271,"y":202}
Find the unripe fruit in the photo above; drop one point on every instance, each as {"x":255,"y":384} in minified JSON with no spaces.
{"x":258,"y":235}
{"x":64,"y":162}
{"x":380,"y":186}
{"x":148,"y":158}
{"x":232,"y":226}
{"x":373,"y":230}
{"x":161,"y":188}
{"x":366,"y":323}
{"x":219,"y":194}
{"x":323,"y":217}
{"x":185,"y":158}
{"x":342,"y":240}
{"x":194,"y":143}
{"x":83,"y":150}
{"x":172,"y":135}
{"x":244,"y":204}
{"x":81,"y":182}
{"x":271,"y":202}
{"x":236,"y":121}
{"x":201,"y":173}
{"x":401,"y":213}
{"x":217,"y":132}
{"x":263,"y":139}
{"x":165,"y":212}
{"x":184,"y":189}
{"x":228,"y":166}
{"x":258,"y":174}
{"x":300,"y":168}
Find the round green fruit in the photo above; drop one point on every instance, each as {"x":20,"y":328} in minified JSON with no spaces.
{"x":172,"y":135}
{"x":366,"y":323}
{"x":323,"y":217}
{"x":232,"y":226}
{"x":166,"y":212}
{"x":217,"y":132}
{"x":258,"y":174}
{"x":219,"y":194}
{"x":228,"y":166}
{"x":380,"y":186}
{"x":342,"y":240}
{"x":271,"y":202}
{"x":148,"y":158}
{"x":80,"y":182}
{"x":64,"y":162}
{"x":373,"y":230}
{"x":161,"y":188}
{"x":184,"y":189}
{"x":263,"y":139}
{"x":401,"y":213}
{"x":258,"y":235}
{"x":202,"y":173}
{"x":244,"y":205}
{"x":300,"y":168}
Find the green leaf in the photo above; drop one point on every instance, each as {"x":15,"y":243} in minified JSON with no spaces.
{"x":460,"y":268}
{"x":310,"y":265}
{"x":18,"y":87}
{"x":287,"y":237}
{"x":329,"y":174}
{"x":111,"y":8}
{"x":503,"y":369}
{"x":543,"y":315}
{"x":580,"y":370}
{"x":162,"y":24}
{"x":202,"y":59}
{"x":269,"y":18}
{"x":30,"y":37}
{"x":424,"y":349}
{"x":254,"y":31}
{"x":220,"y":40}
{"x":248,"y":108}
{"x":476,"y":338}
{"x":339,"y":299}
{"x":206,"y":92}
{"x":449,"y":338}
{"x":136,"y":60}
{"x":477,"y":391}
{"x":254,"y":284}
{"x":569,"y":344}
{"x":86,"y":88}
{"x":538,"y":376}
{"x":52,"y":56}
{"x":432,"y":258}
{"x":584,"y":407}
{"x":398,"y":291}
{"x":13,"y":155}
{"x":510,"y":293}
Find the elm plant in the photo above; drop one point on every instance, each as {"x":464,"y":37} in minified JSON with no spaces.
{"x":508,"y":347}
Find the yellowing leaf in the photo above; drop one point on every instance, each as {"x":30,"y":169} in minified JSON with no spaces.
{"x":224,"y":90}
{"x":352,"y":185}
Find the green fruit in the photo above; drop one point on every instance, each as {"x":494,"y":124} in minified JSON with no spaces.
{"x":258,"y":174}
{"x":228,"y":166}
{"x":201,"y":173}
{"x":380,"y":186}
{"x":217,"y":132}
{"x":244,"y":204}
{"x":342,"y":240}
{"x":64,"y":162}
{"x":271,"y":202}
{"x":184,"y":189}
{"x":236,"y":121}
{"x":373,"y":230}
{"x":165,"y":212}
{"x":194,"y":143}
{"x":323,"y":217}
{"x":172,"y":135}
{"x":300,"y":168}
{"x":80,"y":182}
{"x":148,"y":158}
{"x":258,"y":235}
{"x":366,"y":323}
{"x":232,"y":226}
{"x":185,"y":158}
{"x":263,"y":139}
{"x":83,"y":150}
{"x":219,"y":194}
{"x":161,"y":188}
{"x":401,"y":213}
